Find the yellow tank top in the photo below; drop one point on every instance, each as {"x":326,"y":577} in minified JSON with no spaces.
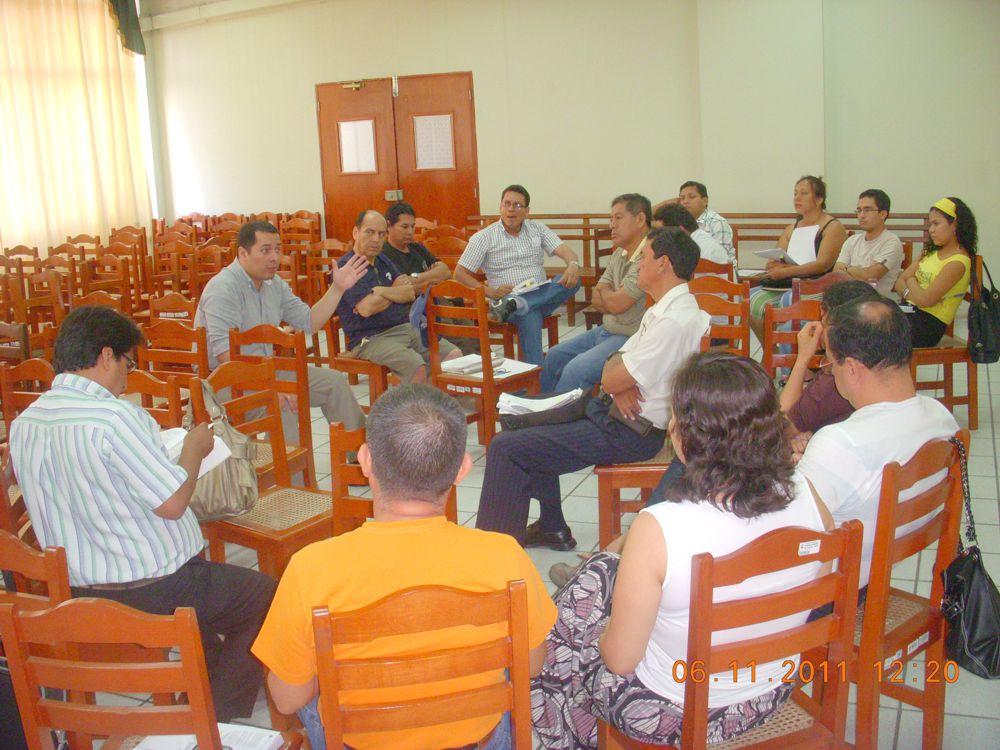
{"x":930,"y":266}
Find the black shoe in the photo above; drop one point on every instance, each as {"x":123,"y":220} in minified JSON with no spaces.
{"x":501,"y":310}
{"x":561,"y":541}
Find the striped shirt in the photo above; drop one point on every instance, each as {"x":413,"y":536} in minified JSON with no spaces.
{"x":506,"y":259}
{"x":719,"y":228}
{"x":92,"y":469}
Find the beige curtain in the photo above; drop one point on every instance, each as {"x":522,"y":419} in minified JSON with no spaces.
{"x":71,"y":139}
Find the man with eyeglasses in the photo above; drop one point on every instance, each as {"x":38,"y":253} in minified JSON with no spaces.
{"x":511,"y":252}
{"x":874,"y":255}
{"x":97,"y":481}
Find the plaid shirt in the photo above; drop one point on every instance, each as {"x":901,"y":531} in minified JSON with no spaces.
{"x":510,"y":260}
{"x":719,"y":228}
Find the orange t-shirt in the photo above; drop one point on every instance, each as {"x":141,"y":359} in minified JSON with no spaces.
{"x":356,"y":569}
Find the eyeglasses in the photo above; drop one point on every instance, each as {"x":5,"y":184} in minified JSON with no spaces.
{"x":865,"y":210}
{"x":129,"y":363}
{"x":515,"y":206}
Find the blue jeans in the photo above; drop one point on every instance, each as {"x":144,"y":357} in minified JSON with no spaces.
{"x":578,"y":363}
{"x":542,"y":302}
{"x":309,"y":716}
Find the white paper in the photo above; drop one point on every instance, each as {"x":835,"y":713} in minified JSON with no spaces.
{"x":434,"y":141}
{"x":528,"y":285}
{"x":173,"y":441}
{"x":234,"y":736}
{"x":357,"y":146}
{"x":510,"y":404}
{"x":776,"y":254}
{"x":471,"y":365}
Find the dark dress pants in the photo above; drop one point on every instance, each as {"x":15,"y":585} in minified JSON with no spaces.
{"x":522,"y":464}
{"x":230,"y":602}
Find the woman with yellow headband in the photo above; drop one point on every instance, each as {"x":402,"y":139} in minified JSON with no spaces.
{"x":935,"y":283}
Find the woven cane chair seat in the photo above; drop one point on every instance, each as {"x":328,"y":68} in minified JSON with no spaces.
{"x":285,"y":507}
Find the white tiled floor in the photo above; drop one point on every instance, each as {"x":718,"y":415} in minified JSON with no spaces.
{"x":973,"y":704}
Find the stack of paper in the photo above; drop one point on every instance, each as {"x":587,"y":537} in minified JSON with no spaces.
{"x":173,"y":441}
{"x":529,"y":285}
{"x":470,"y":364}
{"x":508,"y":404}
{"x":233,"y":736}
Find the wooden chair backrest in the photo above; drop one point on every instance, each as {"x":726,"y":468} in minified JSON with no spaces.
{"x":417,"y":610}
{"x":226,"y":225}
{"x":12,"y":270}
{"x":40,"y":578}
{"x":268,"y":216}
{"x":797,"y":313}
{"x":172,"y":306}
{"x":14,"y":517}
{"x":100,"y":297}
{"x":451,"y":321}
{"x":349,"y":511}
{"x":299,"y":232}
{"x":15,"y":344}
{"x":718,"y":269}
{"x":288,"y":356}
{"x":439,"y":231}
{"x":89,"y":243}
{"x":163,"y":397}
{"x":318,"y":270}
{"x":777,"y":550}
{"x":173,"y":348}
{"x":329,"y":248}
{"x":82,"y":628}
{"x":729,"y":304}
{"x":109,"y":272}
{"x":447,"y":249}
{"x":21,"y":385}
{"x":944,"y":498}
{"x":66,"y":250}
{"x":252,"y":406}
{"x":20,"y":250}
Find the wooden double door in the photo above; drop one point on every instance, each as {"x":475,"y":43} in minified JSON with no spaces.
{"x":409,"y":138}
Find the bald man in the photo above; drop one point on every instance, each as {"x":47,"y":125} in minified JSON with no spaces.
{"x":375,"y":312}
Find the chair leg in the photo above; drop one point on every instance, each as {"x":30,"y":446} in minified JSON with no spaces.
{"x":972,"y":376}
{"x":934,"y":696}
{"x":866,"y":724}
{"x":605,"y":512}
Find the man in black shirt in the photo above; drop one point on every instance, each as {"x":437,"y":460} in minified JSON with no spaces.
{"x":411,"y":258}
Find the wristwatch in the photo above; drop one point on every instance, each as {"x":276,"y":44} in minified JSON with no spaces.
{"x":415,"y":275}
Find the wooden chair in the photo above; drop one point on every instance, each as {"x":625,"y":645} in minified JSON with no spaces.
{"x":138,"y":277}
{"x":268,"y":216}
{"x":21,"y":385}
{"x":729,"y":305}
{"x":722,"y":270}
{"x":66,"y":250}
{"x":40,"y":578}
{"x":12,"y":271}
{"x":299,"y":232}
{"x":90,"y":244}
{"x":804,"y":721}
{"x":796,"y":314}
{"x":161,"y":398}
{"x":20,"y":251}
{"x":418,"y":610}
{"x":289,"y":357}
{"x":470,"y":321}
{"x":350,"y":511}
{"x":114,"y":301}
{"x":14,"y":344}
{"x":172,"y":306}
{"x":109,"y":273}
{"x":445,"y":230}
{"x":613,"y":478}
{"x":173,"y":348}
{"x":77,"y":626}
{"x":14,"y":517}
{"x":285,"y":518}
{"x":896,"y":625}
{"x":70,"y":272}
{"x":951,"y":351}
{"x":447,"y":249}
{"x":505,"y":334}
{"x":328,"y":248}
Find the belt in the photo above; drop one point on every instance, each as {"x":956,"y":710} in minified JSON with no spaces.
{"x":122,"y":586}
{"x":481,"y":743}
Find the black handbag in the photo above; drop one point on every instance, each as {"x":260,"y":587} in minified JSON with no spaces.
{"x":574,"y":410}
{"x":984,"y":320}
{"x":971,"y":602}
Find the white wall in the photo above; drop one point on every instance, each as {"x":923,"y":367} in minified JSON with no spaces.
{"x":579,"y":101}
{"x":762,"y":104}
{"x":912,"y":105}
{"x":582,"y":100}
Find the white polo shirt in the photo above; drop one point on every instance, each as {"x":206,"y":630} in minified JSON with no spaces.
{"x":670,"y":331}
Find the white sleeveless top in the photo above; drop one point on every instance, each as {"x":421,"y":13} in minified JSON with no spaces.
{"x":692,"y":528}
